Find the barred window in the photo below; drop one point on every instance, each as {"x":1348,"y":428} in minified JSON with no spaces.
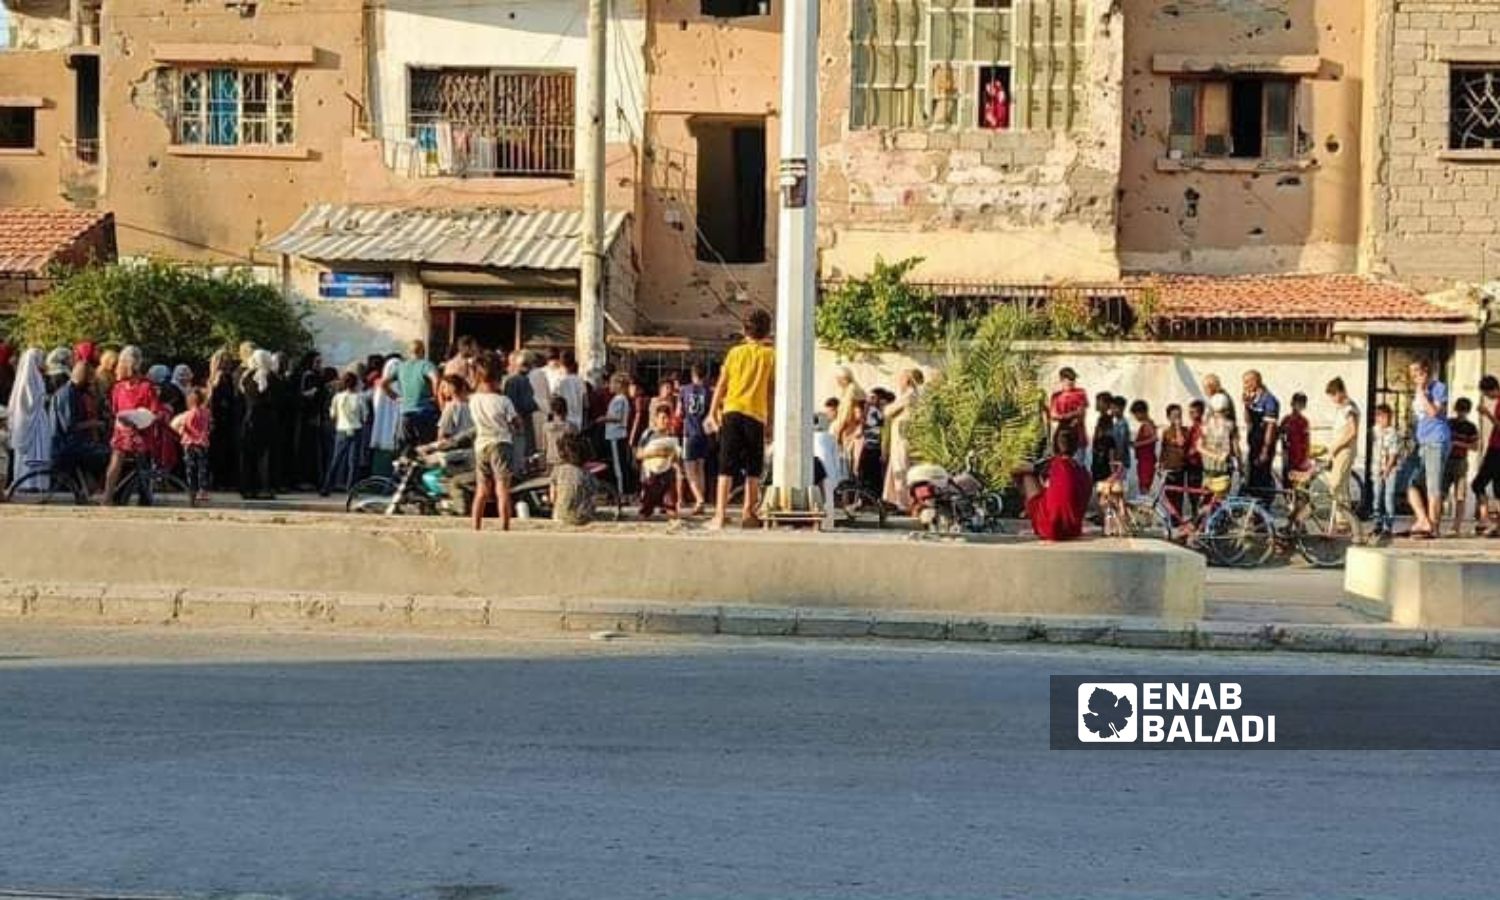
{"x":493,"y":122}
{"x":1474,"y":114}
{"x":234,"y":107}
{"x":965,"y":64}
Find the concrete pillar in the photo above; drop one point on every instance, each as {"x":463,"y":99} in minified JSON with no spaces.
{"x":589,"y":341}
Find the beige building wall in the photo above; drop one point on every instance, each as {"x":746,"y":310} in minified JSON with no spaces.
{"x":1433,"y":213}
{"x":1243,"y":216}
{"x":701,"y":70}
{"x":1025,"y":205}
{"x":219,"y":204}
{"x":35,"y":177}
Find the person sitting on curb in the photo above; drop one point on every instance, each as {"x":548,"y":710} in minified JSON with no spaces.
{"x":1057,"y":499}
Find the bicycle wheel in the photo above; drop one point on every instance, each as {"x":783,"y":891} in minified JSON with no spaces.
{"x":160,"y":490}
{"x":378,"y":487}
{"x":1326,"y":533}
{"x":60,"y":488}
{"x":1239,"y":533}
{"x":1146,"y":519}
{"x":857,"y":505}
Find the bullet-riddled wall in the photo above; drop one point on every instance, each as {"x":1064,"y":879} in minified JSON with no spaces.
{"x":1195,"y":195}
{"x":211,"y":200}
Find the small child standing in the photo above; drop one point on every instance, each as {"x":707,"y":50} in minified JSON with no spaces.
{"x":1456,"y":468}
{"x":1175,"y":439}
{"x":193,"y":426}
{"x":660,"y":456}
{"x":1145,"y":446}
{"x":1388,"y":455}
{"x":347,"y":410}
{"x":571,"y":488}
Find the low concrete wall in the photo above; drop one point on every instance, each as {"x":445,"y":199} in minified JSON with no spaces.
{"x":415,"y":558}
{"x":1426,"y":588}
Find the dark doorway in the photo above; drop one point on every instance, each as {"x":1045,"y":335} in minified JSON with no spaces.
{"x":1246,"y":101}
{"x":731,"y":191}
{"x":86,"y":123}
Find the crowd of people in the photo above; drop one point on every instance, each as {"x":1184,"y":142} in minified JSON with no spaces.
{"x":1203,"y":442}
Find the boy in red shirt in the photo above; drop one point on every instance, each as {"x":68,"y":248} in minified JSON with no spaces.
{"x":1296,"y":439}
{"x":1056,"y":501}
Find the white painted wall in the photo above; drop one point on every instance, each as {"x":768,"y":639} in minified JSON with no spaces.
{"x":347,"y":331}
{"x":1160,"y":373}
{"x":543,"y":34}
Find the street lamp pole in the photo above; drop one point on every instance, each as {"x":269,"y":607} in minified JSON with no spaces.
{"x":796,"y":262}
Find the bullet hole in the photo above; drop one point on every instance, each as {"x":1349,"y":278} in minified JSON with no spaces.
{"x":1289,"y":181}
{"x":152,"y":162}
{"x":511,"y":16}
{"x":1288,"y":25}
{"x":1192,"y":197}
{"x":1257,"y":232}
{"x":682,"y":25}
{"x":1332,"y":144}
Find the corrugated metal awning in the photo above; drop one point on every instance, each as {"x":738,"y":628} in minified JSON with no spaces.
{"x":488,"y":237}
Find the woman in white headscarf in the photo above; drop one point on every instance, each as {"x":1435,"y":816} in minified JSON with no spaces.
{"x":848,"y":422}
{"x":130,"y":393}
{"x":257,"y":425}
{"x":897,"y":416}
{"x":182,"y":379}
{"x":59,"y":368}
{"x":385,"y":428}
{"x":30,"y":422}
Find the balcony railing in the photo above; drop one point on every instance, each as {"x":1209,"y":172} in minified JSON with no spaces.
{"x":79,"y":169}
{"x":447,"y":150}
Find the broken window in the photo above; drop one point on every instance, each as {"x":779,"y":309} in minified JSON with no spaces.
{"x":1474,"y":113}
{"x":17,"y":128}
{"x":731,"y":191}
{"x":1242,"y":118}
{"x":233,"y":107}
{"x":958,"y":64}
{"x":492,"y":122}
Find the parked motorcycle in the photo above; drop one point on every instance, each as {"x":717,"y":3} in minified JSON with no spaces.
{"x":417,"y":488}
{"x":946,"y":503}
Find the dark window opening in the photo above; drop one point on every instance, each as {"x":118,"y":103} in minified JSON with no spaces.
{"x":86,"y":124}
{"x":1243,"y":118}
{"x":1474,"y":110}
{"x":731,"y":191}
{"x":17,"y":128}
{"x":734,"y":9}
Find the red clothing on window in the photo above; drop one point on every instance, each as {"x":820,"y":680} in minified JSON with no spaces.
{"x":1057,"y":512}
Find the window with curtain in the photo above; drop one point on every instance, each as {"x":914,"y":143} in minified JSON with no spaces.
{"x":967,"y":64}
{"x":234,"y":107}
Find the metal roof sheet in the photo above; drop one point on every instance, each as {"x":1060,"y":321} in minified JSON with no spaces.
{"x":489,"y":237}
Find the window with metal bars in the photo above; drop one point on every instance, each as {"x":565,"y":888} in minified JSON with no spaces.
{"x":1474,"y":113}
{"x":493,"y":122}
{"x":234,"y":107}
{"x":968,"y":64}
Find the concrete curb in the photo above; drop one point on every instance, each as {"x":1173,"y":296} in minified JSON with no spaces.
{"x":98,"y":604}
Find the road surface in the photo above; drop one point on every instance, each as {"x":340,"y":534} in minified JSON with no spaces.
{"x":213,"y":764}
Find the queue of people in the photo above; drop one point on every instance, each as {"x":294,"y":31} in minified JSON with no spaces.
{"x":1129,"y":453}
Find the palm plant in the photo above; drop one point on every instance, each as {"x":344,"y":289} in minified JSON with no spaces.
{"x":988,"y":401}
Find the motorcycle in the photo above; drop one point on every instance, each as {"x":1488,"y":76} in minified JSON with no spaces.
{"x":418,"y":487}
{"x":946,"y":503}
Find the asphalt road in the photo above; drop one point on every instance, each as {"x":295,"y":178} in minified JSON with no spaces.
{"x":226,"y":765}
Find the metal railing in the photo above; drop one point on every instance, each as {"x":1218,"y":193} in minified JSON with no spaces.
{"x":435,"y":149}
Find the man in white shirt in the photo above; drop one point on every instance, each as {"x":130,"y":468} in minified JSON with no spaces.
{"x":541,"y":390}
{"x":572,"y":389}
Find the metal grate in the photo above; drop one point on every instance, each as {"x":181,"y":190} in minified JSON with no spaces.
{"x":1474,"y":116}
{"x":492,"y":122}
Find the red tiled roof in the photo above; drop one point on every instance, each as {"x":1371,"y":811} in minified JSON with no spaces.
{"x":33,"y":239}
{"x":1340,"y":298}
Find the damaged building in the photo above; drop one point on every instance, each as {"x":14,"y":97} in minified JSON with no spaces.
{"x":412,"y":168}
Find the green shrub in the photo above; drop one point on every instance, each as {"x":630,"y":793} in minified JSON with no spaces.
{"x":170,"y":311}
{"x":879,"y":312}
{"x":988,"y":401}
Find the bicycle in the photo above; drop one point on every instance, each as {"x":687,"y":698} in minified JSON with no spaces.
{"x":68,"y":482}
{"x":1228,"y":530}
{"x":150,"y":484}
{"x":1315,"y":519}
{"x":854,"y":501}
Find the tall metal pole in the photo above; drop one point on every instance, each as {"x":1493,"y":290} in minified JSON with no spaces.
{"x":589,"y":342}
{"x":796,"y":258}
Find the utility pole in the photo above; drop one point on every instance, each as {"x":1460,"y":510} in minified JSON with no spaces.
{"x":796,"y":262}
{"x":589,"y":342}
